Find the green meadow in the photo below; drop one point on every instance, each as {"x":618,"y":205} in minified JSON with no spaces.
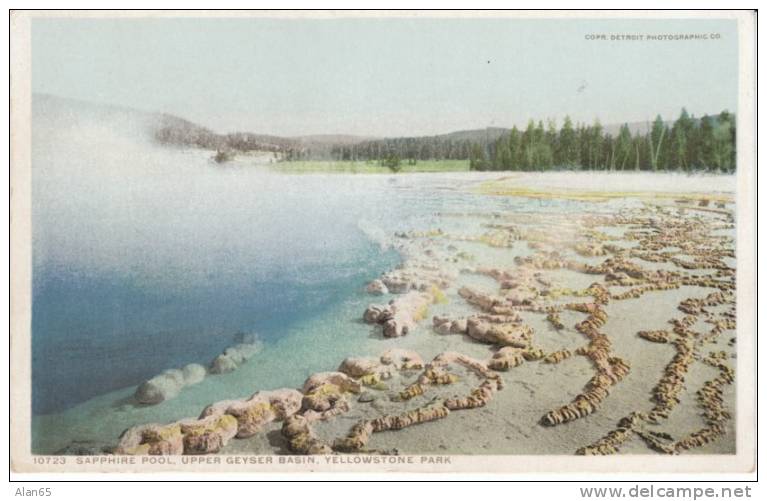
{"x":363,"y":167}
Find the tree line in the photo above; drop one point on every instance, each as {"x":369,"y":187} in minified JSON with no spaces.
{"x":380,"y":150}
{"x":687,"y":144}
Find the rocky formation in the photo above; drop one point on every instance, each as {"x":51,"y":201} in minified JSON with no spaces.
{"x":658,"y":336}
{"x":168,"y":384}
{"x":261,"y":408}
{"x":218,"y":423}
{"x":609,"y":369}
{"x":506,"y":358}
{"x":417,"y":275}
{"x":691,"y":237}
{"x":223,"y":364}
{"x":445,"y":325}
{"x":208,"y":435}
{"x":377,"y":287}
{"x":151,"y":439}
{"x":499,"y":330}
{"x":297,"y":429}
{"x":402,"y":314}
{"x":557,"y":356}
{"x":233,"y":357}
{"x":554,"y":320}
{"x":402,"y":359}
{"x":436,"y":372}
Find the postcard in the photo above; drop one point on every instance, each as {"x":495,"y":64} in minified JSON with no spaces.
{"x":403,"y":241}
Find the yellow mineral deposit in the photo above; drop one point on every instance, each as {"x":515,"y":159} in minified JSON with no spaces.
{"x":557,"y":356}
{"x":659,"y":336}
{"x":506,"y":358}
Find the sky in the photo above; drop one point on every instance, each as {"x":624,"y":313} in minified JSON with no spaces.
{"x":387,"y":77}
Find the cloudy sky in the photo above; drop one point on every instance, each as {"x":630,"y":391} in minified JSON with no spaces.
{"x":387,"y":77}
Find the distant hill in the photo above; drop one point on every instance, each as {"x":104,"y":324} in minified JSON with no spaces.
{"x":333,"y":139}
{"x":171,"y":129}
{"x":476,"y":135}
{"x":175,"y":131}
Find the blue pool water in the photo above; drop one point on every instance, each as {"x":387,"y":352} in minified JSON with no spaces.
{"x":96,"y":334}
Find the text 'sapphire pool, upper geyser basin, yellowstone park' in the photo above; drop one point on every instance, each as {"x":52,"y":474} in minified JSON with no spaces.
{"x":444,"y":313}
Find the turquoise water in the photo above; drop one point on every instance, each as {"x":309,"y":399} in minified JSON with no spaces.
{"x":96,"y":334}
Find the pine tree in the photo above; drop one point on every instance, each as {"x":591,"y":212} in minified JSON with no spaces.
{"x":706,"y":139}
{"x":515,"y":148}
{"x":567,"y":151}
{"x":502,"y":155}
{"x":551,"y":142}
{"x":477,"y":161}
{"x":657,"y":137}
{"x":724,"y":143}
{"x":528,"y":146}
{"x":623,"y":148}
